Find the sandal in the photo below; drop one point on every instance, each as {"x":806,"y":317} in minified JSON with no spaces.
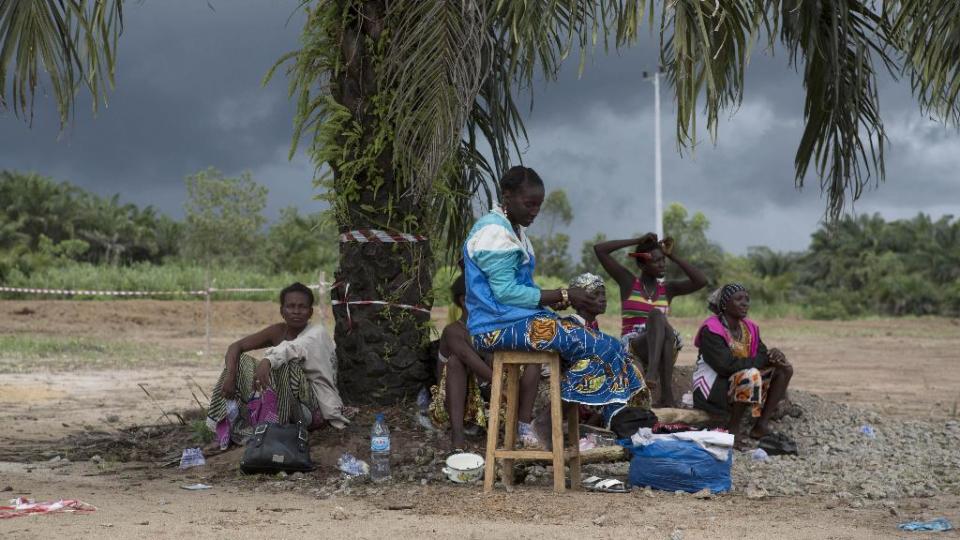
{"x":604,"y":485}
{"x":527,"y":437}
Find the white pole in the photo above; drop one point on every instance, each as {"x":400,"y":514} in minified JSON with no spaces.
{"x":656,"y":160}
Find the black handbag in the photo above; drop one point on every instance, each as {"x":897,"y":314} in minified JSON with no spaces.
{"x":278,"y":447}
{"x":628,"y":420}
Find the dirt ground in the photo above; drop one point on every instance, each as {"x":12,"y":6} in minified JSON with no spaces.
{"x":84,"y":371}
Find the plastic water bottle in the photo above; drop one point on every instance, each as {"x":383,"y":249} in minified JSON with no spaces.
{"x":380,"y":450}
{"x":233,"y":410}
{"x":192,"y":457}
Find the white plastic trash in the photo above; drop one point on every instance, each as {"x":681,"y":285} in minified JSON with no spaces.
{"x":192,"y":457}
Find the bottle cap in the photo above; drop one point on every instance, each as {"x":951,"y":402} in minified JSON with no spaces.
{"x":380,"y":417}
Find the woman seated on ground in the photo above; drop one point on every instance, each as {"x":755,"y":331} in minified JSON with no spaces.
{"x":587,"y":318}
{"x":507,"y":310}
{"x":299,"y":369}
{"x":734,"y":369}
{"x":456,"y":398}
{"x":646,"y":303}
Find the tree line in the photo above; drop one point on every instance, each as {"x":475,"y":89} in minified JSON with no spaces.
{"x":46,"y":224}
{"x":857,"y":266}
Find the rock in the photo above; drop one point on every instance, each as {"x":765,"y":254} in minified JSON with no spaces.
{"x":602,"y":520}
{"x":282,"y":474}
{"x":537,"y":470}
{"x":757,"y":493}
{"x":54,"y":459}
{"x":338,"y":513}
{"x":704,"y":493}
{"x":297,"y":476}
{"x":425,"y":455}
{"x":677,"y":534}
{"x":7,"y":488}
{"x":96,"y":459}
{"x":113,"y":419}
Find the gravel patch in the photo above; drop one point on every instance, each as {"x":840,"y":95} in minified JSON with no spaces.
{"x":837,"y":459}
{"x":904,"y":458}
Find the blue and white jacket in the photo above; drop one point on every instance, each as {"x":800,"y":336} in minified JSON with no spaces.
{"x":499,"y":275}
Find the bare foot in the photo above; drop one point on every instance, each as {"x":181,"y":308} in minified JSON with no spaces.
{"x":739,"y":443}
{"x":760,"y":430}
{"x":543,"y":428}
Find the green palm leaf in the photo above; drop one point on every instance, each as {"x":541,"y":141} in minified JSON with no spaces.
{"x":836,"y":43}
{"x":72,"y":41}
{"x":433,"y":68}
{"x":928,"y":33}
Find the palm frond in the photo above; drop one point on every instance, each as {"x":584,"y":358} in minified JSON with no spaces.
{"x":433,"y":68}
{"x":541,"y":34}
{"x":835,"y":42}
{"x":73,"y":41}
{"x":705,"y":48}
{"x":928,"y":33}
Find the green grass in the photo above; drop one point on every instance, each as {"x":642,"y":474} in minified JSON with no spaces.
{"x":26,"y":352}
{"x":199,"y":431}
{"x":151,"y":277}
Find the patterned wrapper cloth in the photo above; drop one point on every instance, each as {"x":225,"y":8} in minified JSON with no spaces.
{"x":289,"y":384}
{"x":597,"y":370}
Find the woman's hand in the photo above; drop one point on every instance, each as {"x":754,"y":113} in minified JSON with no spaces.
{"x":666,"y":246}
{"x":777,"y":358}
{"x":229,"y":387}
{"x":261,"y":378}
{"x":582,"y":300}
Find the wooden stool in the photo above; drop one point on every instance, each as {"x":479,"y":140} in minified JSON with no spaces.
{"x":511,"y":361}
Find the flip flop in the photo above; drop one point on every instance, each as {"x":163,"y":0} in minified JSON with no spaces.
{"x":604,"y":485}
{"x":586,"y":428}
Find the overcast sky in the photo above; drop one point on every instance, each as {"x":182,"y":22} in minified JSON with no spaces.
{"x":189,"y":96}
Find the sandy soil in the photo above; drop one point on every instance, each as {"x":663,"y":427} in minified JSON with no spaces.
{"x":897,"y":367}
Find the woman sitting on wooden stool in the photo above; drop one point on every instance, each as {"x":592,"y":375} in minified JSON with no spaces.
{"x":507,"y":311}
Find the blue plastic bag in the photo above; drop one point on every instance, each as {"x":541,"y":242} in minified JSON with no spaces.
{"x":678,"y":466}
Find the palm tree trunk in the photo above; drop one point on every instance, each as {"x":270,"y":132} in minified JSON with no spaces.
{"x":380,"y":349}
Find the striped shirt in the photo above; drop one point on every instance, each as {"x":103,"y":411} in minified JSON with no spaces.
{"x":637,"y":308}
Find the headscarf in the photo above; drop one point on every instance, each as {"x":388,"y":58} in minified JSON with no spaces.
{"x":589,"y":282}
{"x":717,"y":301}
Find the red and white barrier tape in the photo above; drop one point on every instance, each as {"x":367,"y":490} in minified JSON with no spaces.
{"x":83,"y":292}
{"x":25,"y":507}
{"x":346,"y":303}
{"x":377,"y":235}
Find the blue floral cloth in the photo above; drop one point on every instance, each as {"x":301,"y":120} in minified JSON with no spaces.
{"x":597,"y":370}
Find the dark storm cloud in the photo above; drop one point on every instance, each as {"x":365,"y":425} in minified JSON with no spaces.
{"x":593,"y":136}
{"x":189,"y":96}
